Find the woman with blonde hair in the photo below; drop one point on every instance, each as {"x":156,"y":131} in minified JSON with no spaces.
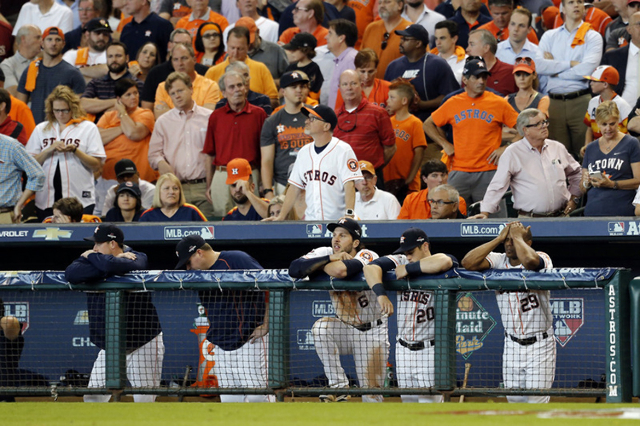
{"x":611,"y":167}
{"x":169,"y":203}
{"x":69,"y":149}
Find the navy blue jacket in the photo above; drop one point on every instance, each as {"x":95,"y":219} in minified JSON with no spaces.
{"x":233,"y":315}
{"x":143,"y":323}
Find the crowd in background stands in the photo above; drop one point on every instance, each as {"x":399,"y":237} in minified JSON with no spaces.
{"x":195,"y":110}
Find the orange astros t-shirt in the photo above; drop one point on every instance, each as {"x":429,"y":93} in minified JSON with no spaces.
{"x":477,"y":128}
{"x":409,"y":136}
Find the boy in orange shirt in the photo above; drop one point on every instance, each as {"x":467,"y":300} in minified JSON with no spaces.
{"x":401,"y":174}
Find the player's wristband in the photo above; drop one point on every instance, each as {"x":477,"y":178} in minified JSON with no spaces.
{"x":378,"y":289}
{"x":353,"y":266}
{"x":413,"y":269}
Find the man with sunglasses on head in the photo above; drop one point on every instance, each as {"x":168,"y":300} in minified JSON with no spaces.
{"x":364,"y":126}
{"x":537,"y":170}
{"x":326,"y":170}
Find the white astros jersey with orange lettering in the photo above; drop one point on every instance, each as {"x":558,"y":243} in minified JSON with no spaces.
{"x":323,"y":176}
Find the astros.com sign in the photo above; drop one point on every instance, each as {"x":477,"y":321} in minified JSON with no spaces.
{"x":482,"y":230}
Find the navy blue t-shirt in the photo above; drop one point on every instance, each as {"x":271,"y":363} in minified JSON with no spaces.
{"x":152,"y":28}
{"x":617,"y":165}
{"x":234,"y":214}
{"x":437,"y":80}
{"x":233,"y":315}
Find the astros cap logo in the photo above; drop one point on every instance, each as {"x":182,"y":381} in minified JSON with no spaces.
{"x":234,"y":171}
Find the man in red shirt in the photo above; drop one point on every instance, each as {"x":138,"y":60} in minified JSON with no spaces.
{"x":233,"y":132}
{"x":483,"y":44}
{"x":364,"y":126}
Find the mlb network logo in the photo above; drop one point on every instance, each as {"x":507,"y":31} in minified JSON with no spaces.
{"x":179,"y":232}
{"x":20,"y":310}
{"x":568,"y":318}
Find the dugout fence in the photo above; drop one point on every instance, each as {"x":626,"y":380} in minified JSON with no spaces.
{"x":590,"y":307}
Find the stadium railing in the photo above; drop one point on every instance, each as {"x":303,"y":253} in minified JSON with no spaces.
{"x":49,"y":308}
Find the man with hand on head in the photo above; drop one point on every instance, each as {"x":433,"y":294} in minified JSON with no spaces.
{"x":360,"y":327}
{"x":529,"y":357}
{"x":416,"y":310}
{"x":144,"y":341}
{"x":241,"y":188}
{"x":239,"y":320}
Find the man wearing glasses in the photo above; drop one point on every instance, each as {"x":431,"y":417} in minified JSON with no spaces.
{"x":536,"y":169}
{"x":445,"y":200}
{"x":381,"y":35}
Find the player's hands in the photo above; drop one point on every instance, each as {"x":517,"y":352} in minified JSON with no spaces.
{"x":127,"y":255}
{"x":548,"y":55}
{"x":401,"y":272}
{"x":87,"y":253}
{"x":518,"y":231}
{"x":340,"y":256}
{"x":386,"y":307}
{"x":503,"y":234}
{"x":259,"y":332}
{"x":495,"y":155}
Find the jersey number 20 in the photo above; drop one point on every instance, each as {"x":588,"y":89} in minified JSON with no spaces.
{"x":425,"y":314}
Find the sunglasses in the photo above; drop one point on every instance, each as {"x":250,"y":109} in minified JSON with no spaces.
{"x":385,"y":41}
{"x":351,"y":128}
{"x":524,"y":60}
{"x":211,"y":35}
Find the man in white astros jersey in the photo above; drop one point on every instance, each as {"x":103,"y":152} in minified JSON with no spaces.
{"x":416,"y":315}
{"x":359,"y":327}
{"x":529,"y":357}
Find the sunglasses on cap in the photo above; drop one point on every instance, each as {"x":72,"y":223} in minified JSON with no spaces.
{"x":524,"y":60}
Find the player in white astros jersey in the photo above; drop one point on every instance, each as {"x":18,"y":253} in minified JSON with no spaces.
{"x":529,"y":356}
{"x":326,"y":170}
{"x":359,"y":328}
{"x":415,"y":346}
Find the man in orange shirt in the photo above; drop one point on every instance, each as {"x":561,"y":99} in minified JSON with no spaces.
{"x":201,"y":13}
{"x":308,"y":16}
{"x":364,"y":16}
{"x":381,"y":35}
{"x":501,"y":13}
{"x":477,"y":118}
{"x":416,"y":206}
{"x":20,"y":112}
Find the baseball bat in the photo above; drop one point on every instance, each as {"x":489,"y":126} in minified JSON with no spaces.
{"x":467,"y":367}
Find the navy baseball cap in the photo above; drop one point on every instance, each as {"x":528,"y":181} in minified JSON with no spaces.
{"x":129,"y":187}
{"x":350,"y":225}
{"x":290,"y":78}
{"x":106,"y":232}
{"x":322,"y":112}
{"x":416,"y":31}
{"x":475,"y":67}
{"x":301,"y":40}
{"x":187,"y":247}
{"x":411,"y":238}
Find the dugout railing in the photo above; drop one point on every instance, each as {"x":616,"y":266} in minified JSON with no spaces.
{"x":44,"y":290}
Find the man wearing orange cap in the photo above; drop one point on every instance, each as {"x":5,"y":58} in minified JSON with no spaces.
{"x":373,"y":203}
{"x":201,"y":13}
{"x":603,"y":83}
{"x":43,"y":75}
{"x":242,"y":190}
{"x":267,"y":52}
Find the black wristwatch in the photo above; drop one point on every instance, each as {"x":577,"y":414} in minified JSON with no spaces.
{"x":349,"y":212}
{"x":264,"y":191}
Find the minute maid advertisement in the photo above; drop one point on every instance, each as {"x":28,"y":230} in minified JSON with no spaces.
{"x":473,"y":324}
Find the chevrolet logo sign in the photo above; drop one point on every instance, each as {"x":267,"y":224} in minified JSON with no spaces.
{"x":52,"y":234}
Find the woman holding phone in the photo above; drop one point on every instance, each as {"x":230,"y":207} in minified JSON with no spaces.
{"x":611,"y":167}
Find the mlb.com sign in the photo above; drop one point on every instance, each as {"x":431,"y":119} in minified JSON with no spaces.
{"x":481,"y":230}
{"x":179,"y":232}
{"x":623,"y":228}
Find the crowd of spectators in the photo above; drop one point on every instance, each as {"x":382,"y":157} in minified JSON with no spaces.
{"x":198,"y":110}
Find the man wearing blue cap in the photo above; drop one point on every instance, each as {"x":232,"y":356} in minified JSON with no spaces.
{"x":416,"y":326}
{"x":430,"y":75}
{"x":144,"y":343}
{"x":326,"y":170}
{"x":238,"y":320}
